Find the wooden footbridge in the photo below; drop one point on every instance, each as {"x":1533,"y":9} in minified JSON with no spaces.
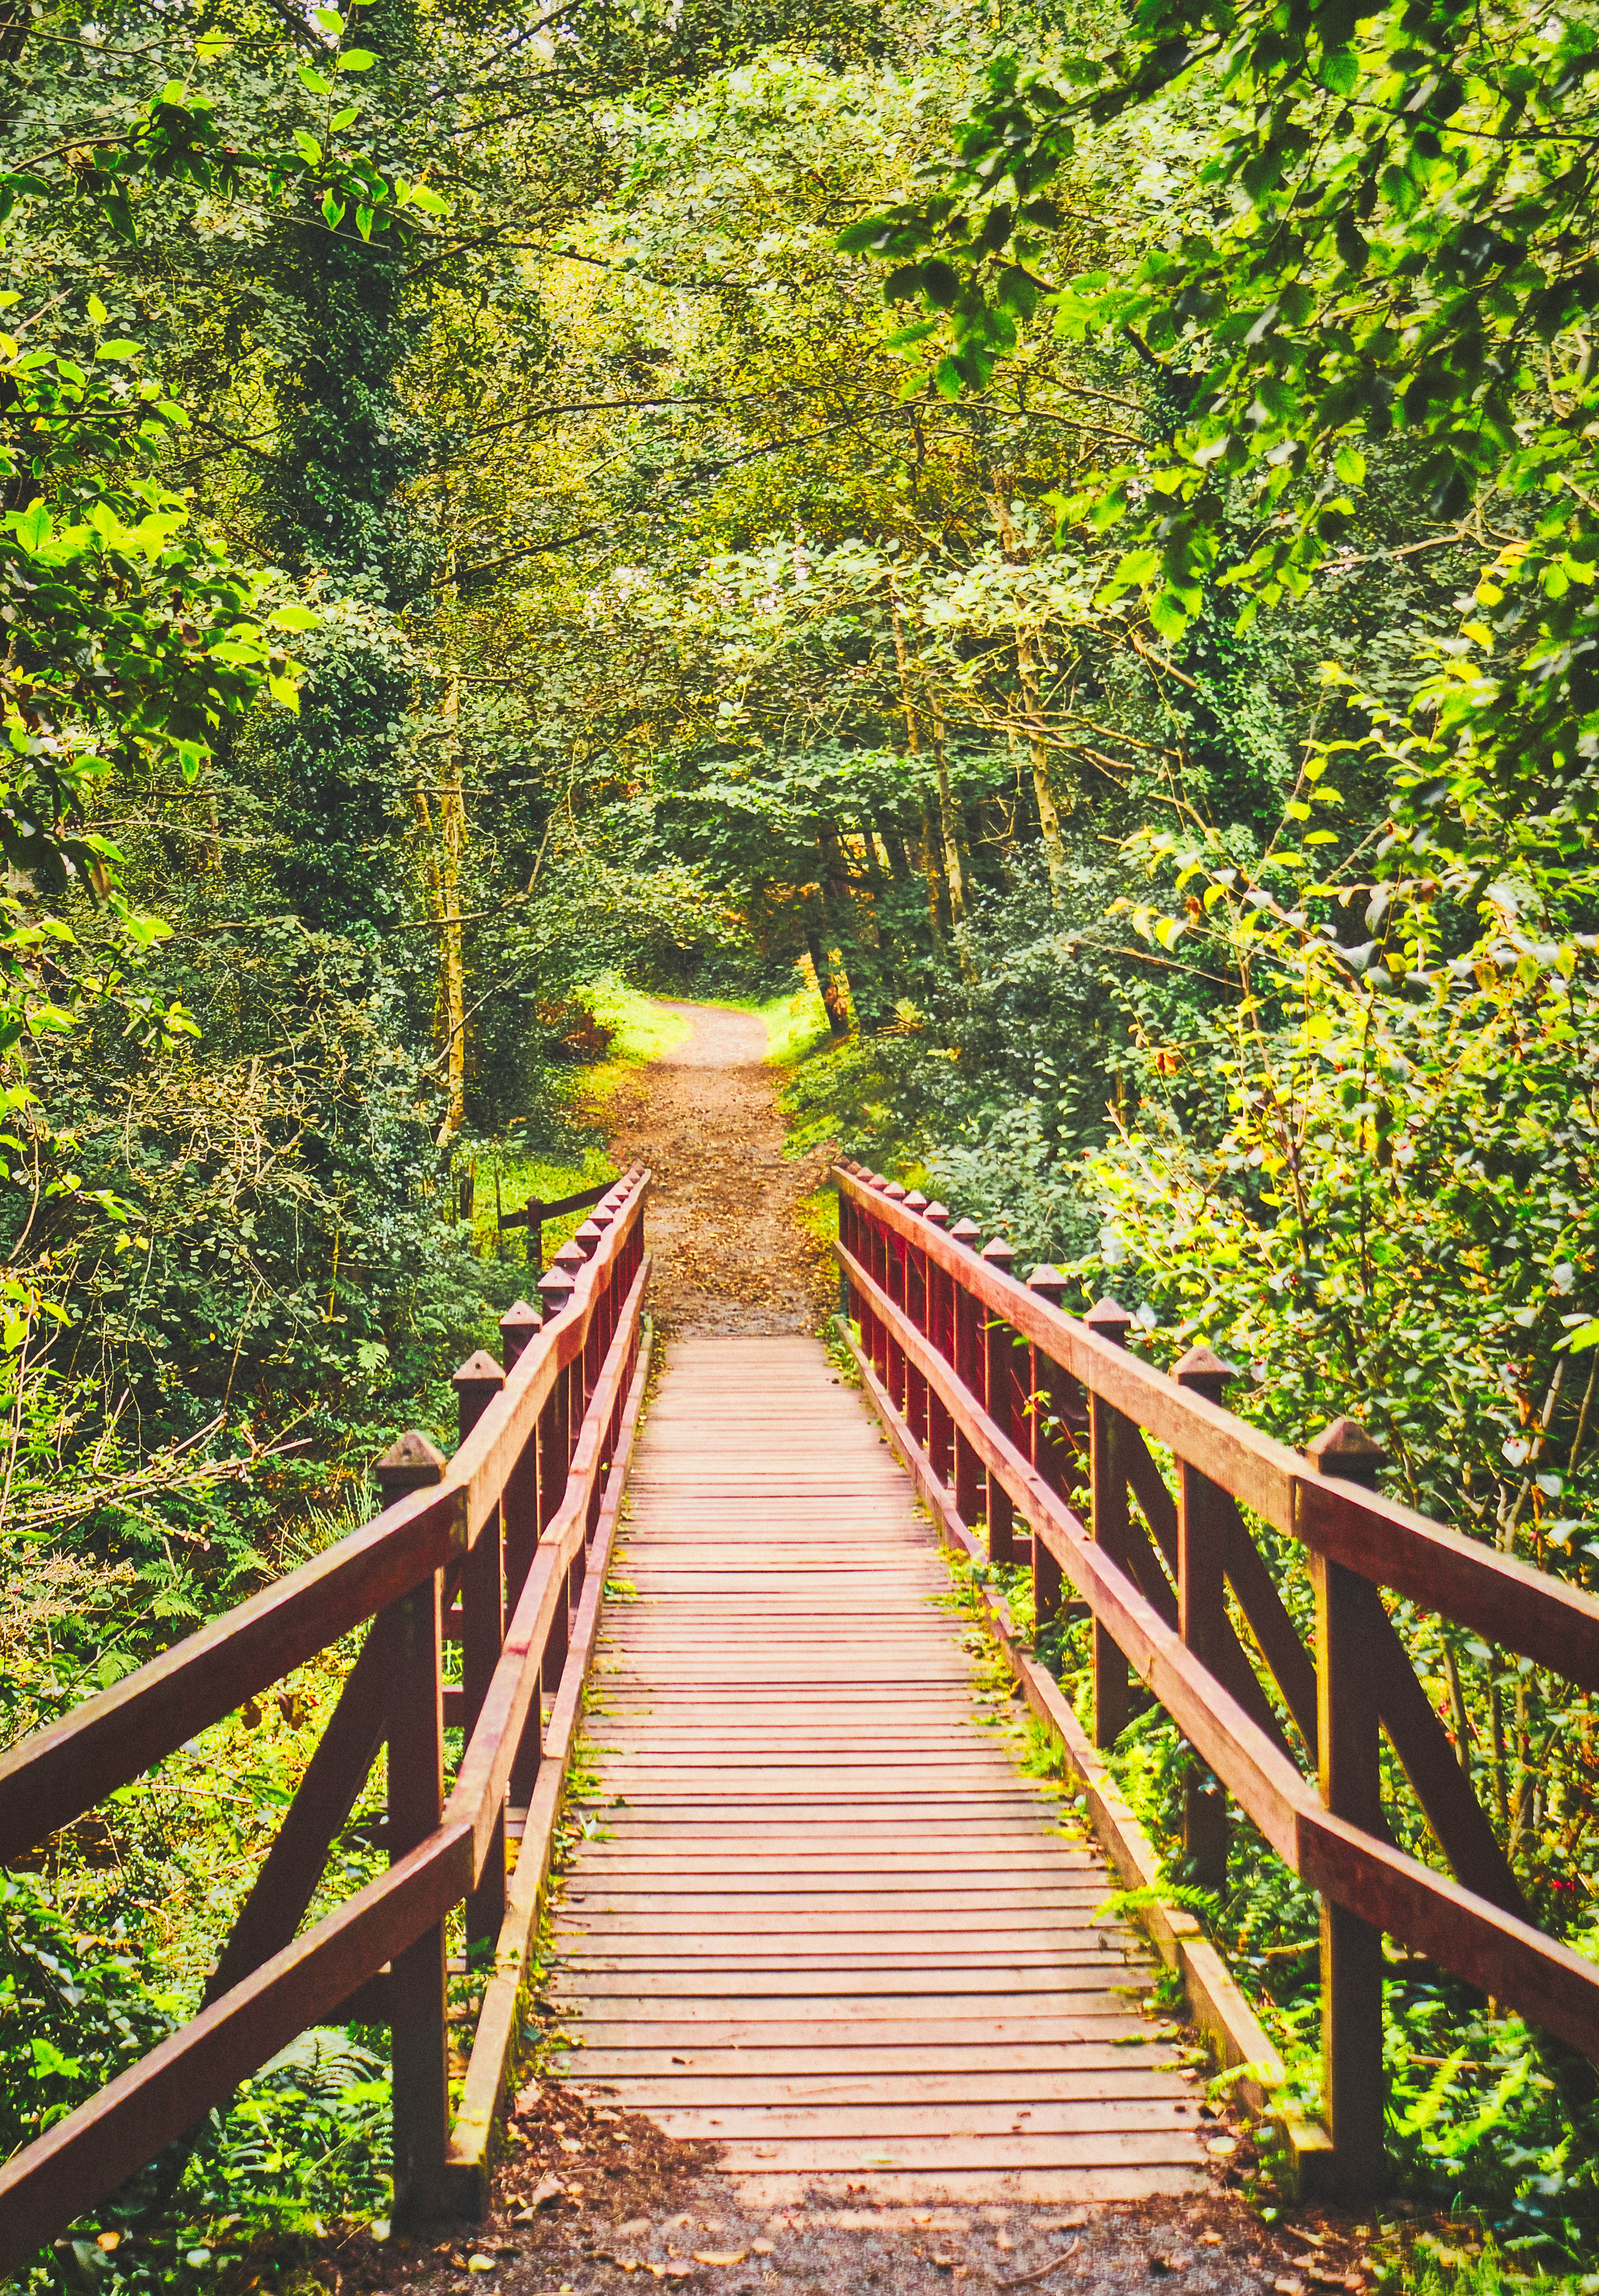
{"x":820,"y":1917}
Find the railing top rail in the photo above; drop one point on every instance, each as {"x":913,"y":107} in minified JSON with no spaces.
{"x":64,"y":1769}
{"x":1506,"y":1601}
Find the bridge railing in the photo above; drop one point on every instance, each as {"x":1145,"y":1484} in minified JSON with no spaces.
{"x":1008,"y":1408}
{"x":491,"y":1548}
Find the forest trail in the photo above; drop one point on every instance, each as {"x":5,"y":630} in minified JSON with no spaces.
{"x":730,"y":1252}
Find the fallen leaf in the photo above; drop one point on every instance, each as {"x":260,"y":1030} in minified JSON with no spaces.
{"x":1169,"y":2263}
{"x":1222,"y":2148}
{"x":1000,"y":2241}
{"x":547,"y":2189}
{"x":479,"y":2264}
{"x":1209,"y":2240}
{"x":108,"y":2241}
{"x":945,"y":2263}
{"x":763,"y":2248}
{"x":575,"y":2145}
{"x":711,"y":2256}
{"x":1287,"y":2285}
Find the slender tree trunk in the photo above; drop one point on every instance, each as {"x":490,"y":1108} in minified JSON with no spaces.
{"x":832,"y":995}
{"x":838,"y":901}
{"x":936,"y":903}
{"x":1027,"y":677}
{"x":444,"y":852}
{"x":954,"y":864}
{"x":938,"y":899}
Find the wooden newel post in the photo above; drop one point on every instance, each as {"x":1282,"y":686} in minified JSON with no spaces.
{"x":419,"y":2029}
{"x":969,"y":1370}
{"x":894,"y":1285}
{"x":998,"y":1389}
{"x":916,"y":1309}
{"x":555,"y":1288}
{"x":1108,"y":1476}
{"x":940,"y":1312}
{"x":519,"y":1324}
{"x":1204,"y":1525}
{"x":482,"y":1632}
{"x":876,"y":1260}
{"x":1354,"y":2093}
{"x":1048,"y":1450}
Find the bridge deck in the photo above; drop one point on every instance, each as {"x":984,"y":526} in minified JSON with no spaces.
{"x":829,"y":1926}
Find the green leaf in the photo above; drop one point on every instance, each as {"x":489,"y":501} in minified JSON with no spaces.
{"x":118,"y":348}
{"x":357,"y":60}
{"x":35,"y":527}
{"x":315,"y":81}
{"x":343,"y":118}
{"x":296,"y":617}
{"x":97,"y":310}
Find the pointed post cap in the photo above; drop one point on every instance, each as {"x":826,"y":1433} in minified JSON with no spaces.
{"x":517,"y":1326}
{"x":1108,"y":1319}
{"x":876,"y":1180}
{"x":411,"y":1465}
{"x":1205,"y":1371}
{"x":587,"y":1239}
{"x":966,"y":1232}
{"x":1048,"y":1282}
{"x":999,"y":1254}
{"x":1346,"y":1451}
{"x":937,"y":1215}
{"x":603,"y":1217}
{"x":480,"y":1371}
{"x":895,"y":1192}
{"x":916,"y":1202}
{"x":555,"y":1288}
{"x":571,"y":1256}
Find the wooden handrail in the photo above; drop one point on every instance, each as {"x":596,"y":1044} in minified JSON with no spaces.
{"x":1499,"y":1597}
{"x":908,"y":1280}
{"x":540,"y":1450}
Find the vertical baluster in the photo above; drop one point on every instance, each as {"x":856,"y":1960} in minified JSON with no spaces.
{"x":1048,"y":1450}
{"x":940,"y":1331}
{"x":1353,"y":2086}
{"x":968,"y":1371}
{"x":1204,"y":1525}
{"x":894,"y":1285}
{"x":482,"y":1632}
{"x":1108,"y":1475}
{"x":915,"y":1308}
{"x":999,"y":1399}
{"x":555,"y":1289}
{"x":419,"y":2026}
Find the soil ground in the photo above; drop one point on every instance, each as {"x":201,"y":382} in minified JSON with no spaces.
{"x":730,"y":1252}
{"x":589,"y":2201}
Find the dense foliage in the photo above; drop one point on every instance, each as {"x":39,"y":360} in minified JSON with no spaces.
{"x":1072,"y":526}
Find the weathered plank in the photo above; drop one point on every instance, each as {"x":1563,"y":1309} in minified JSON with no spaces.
{"x":825,"y":1920}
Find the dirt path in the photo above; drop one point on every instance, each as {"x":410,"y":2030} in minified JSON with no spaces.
{"x":730,"y":1252}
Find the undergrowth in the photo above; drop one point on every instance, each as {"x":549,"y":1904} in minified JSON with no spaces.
{"x":1490,"y":2124}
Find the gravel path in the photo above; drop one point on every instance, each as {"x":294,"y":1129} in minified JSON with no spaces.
{"x":731,"y":1253}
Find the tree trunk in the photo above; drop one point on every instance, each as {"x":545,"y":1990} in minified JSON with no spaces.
{"x":832,"y":997}
{"x":1027,"y":677}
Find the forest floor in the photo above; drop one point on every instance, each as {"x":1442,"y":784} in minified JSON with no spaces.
{"x":732,"y":1252}
{"x":587,"y":2197}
